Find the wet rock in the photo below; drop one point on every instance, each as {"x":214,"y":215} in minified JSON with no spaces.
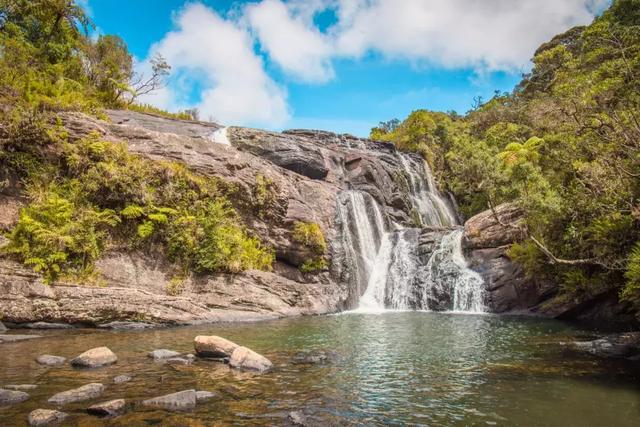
{"x":203,"y":395}
{"x":213,"y":346}
{"x":95,"y":358}
{"x":127,"y":326}
{"x":20,"y":387}
{"x":10,"y":397}
{"x":86,"y":392}
{"x":297,"y":418}
{"x":16,"y":338}
{"x":45,"y":325}
{"x":245,"y":358}
{"x":314,"y":358}
{"x":49,"y":360}
{"x":121,"y":379}
{"x":179,"y":361}
{"x":180,"y":401}
{"x":162,"y":354}
{"x":625,"y":345}
{"x":2,"y":327}
{"x":110,"y":408}
{"x":41,"y":417}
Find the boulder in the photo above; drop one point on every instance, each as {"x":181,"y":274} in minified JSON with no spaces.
{"x":180,"y":401}
{"x":485,"y":231}
{"x":20,"y":387}
{"x":110,"y":408}
{"x":121,"y":379}
{"x":162,"y":354}
{"x":624,"y":345}
{"x":10,"y":397}
{"x":244,"y":358}
{"x":49,"y":360}
{"x":41,"y":417}
{"x":203,"y":395}
{"x":213,"y":346}
{"x":95,"y":358}
{"x":86,"y":392}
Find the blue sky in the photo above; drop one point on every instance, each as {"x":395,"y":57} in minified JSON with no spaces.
{"x":340,"y":65}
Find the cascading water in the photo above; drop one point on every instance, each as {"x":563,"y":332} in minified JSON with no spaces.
{"x":406,"y":269}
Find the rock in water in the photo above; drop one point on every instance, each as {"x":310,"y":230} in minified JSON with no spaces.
{"x":180,"y":401}
{"x":10,"y":397}
{"x":111,"y":408}
{"x":163,"y":354}
{"x":41,"y":417}
{"x":86,"y":392}
{"x":203,"y":395}
{"x":20,"y":387}
{"x":2,"y":327}
{"x":95,"y":358}
{"x":244,"y":358}
{"x":213,"y":346}
{"x":49,"y":360}
{"x":121,"y":379}
{"x":16,"y":337}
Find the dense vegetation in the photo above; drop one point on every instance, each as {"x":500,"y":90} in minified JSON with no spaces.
{"x":86,"y":195}
{"x":565,"y":146}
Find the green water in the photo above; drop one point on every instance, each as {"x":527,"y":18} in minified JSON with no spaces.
{"x":387,"y":369}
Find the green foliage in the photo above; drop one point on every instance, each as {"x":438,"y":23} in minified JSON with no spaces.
{"x":265,"y":198}
{"x":631,"y":291}
{"x":150,"y":109}
{"x":314,"y":265}
{"x":310,"y":235}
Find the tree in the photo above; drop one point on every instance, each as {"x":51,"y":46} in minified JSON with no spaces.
{"x":142,"y":84}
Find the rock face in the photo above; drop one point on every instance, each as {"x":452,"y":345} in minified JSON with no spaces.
{"x":180,"y":401}
{"x":10,"y":397}
{"x":49,"y":360}
{"x":86,"y":392}
{"x":95,"y":358}
{"x":213,"y":346}
{"x":42,"y":417}
{"x":245,"y":358}
{"x":309,"y":169}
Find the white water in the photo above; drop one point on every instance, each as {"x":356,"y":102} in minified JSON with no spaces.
{"x":395,"y":277}
{"x":220,"y":136}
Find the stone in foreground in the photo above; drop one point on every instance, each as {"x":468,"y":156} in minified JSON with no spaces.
{"x":213,"y":346}
{"x":122,"y":379}
{"x":41,"y":417}
{"x":95,"y":358}
{"x":49,"y":360}
{"x":20,"y":387}
{"x":111,"y":408}
{"x":180,"y":401}
{"x":86,"y":392}
{"x":245,"y":358}
{"x":10,"y":397}
{"x":163,"y":354}
{"x":203,"y":395}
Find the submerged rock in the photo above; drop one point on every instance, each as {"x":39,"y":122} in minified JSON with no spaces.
{"x":314,"y":358}
{"x":213,"y":346}
{"x":95,"y":358}
{"x":49,"y":360}
{"x":20,"y":387}
{"x":86,"y":392}
{"x":127,"y":326}
{"x":46,"y":325}
{"x":16,"y":338}
{"x":297,"y":418}
{"x":245,"y":358}
{"x":121,"y":379}
{"x":162,"y":354}
{"x":203,"y":395}
{"x":110,"y":408}
{"x":10,"y":397}
{"x":41,"y":417}
{"x":625,"y":346}
{"x":180,"y":401}
{"x":179,"y":361}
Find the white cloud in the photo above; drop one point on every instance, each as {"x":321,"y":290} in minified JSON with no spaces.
{"x":287,"y":34}
{"x":488,"y":34}
{"x":215,"y":57}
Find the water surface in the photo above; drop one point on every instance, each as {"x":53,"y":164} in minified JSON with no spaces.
{"x":396,"y":368}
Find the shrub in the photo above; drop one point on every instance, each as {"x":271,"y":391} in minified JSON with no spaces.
{"x":310,"y":235}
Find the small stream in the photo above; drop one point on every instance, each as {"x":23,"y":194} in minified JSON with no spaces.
{"x":394,"y":368}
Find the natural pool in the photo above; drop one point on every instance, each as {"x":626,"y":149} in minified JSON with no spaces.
{"x":395,"y":368}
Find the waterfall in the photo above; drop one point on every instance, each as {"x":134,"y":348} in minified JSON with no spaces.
{"x":409,"y":268}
